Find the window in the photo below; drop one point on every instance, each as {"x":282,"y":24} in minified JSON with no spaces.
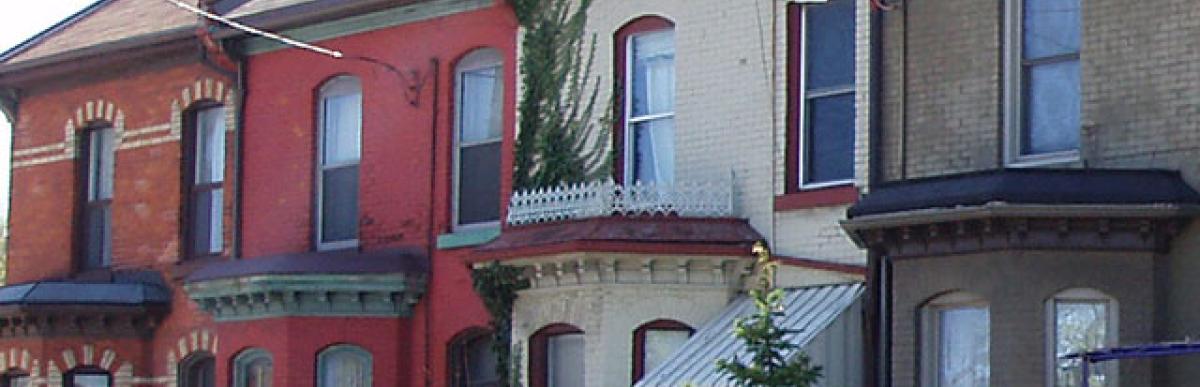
{"x":654,"y":342}
{"x":253,"y":368}
{"x":337,"y":177}
{"x":197,"y":370}
{"x":1081,"y":320}
{"x":473,"y":363}
{"x":646,"y":54}
{"x":480,"y":96}
{"x":99,"y":154}
{"x":821,"y":130}
{"x":205,"y":174}
{"x":15,"y":378}
{"x":87,"y":377}
{"x":1043,"y":93}
{"x":957,"y":335}
{"x":344,"y":366}
{"x":556,"y":357}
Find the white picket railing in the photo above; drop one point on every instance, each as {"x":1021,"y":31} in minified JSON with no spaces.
{"x":599,"y":199}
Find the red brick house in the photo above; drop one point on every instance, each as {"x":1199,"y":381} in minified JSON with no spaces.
{"x":198,"y":207}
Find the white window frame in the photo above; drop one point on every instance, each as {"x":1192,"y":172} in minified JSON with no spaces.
{"x":334,"y":87}
{"x":1014,"y":95}
{"x":477,"y":60}
{"x":216,"y":242}
{"x":931,"y":342}
{"x":803,"y":99}
{"x":1111,"y":335}
{"x":630,"y":143}
{"x":353,"y":351}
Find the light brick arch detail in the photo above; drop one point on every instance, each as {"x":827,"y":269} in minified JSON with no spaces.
{"x":122,"y":371}
{"x":194,"y":341}
{"x":90,"y":111}
{"x":203,"y":89}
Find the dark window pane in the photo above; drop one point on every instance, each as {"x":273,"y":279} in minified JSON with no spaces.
{"x":258,"y":373}
{"x":199,"y":373}
{"x":97,"y":236}
{"x":481,"y":363}
{"x":210,"y":145}
{"x":830,"y":139}
{"x":206,"y":221}
{"x":1051,"y":27}
{"x":339,"y":204}
{"x":101,"y":162}
{"x":16,"y":381}
{"x":829,"y":47}
{"x":1052,"y":108}
{"x":479,"y":183}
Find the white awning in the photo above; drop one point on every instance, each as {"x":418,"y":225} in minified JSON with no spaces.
{"x":808,"y":310}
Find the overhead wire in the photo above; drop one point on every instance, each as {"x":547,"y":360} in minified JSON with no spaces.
{"x":256,"y":31}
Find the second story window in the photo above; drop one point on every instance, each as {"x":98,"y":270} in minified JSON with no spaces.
{"x":649,"y":105}
{"x":340,"y":132}
{"x":99,"y":156}
{"x":1043,"y":93}
{"x":205,"y":182}
{"x":826,"y":119}
{"x":478,"y":122}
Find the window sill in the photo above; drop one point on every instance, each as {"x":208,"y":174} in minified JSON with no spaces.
{"x":819,"y":197}
{"x":1056,"y":159}
{"x":467,"y":238}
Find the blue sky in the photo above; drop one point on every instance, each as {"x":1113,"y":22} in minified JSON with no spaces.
{"x":20,"y":21}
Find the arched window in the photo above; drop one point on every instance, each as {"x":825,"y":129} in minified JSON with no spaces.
{"x":339,"y":138}
{"x":253,"y":368}
{"x":645,"y":54}
{"x":344,"y":366}
{"x":654,"y":342}
{"x":204,"y":177}
{"x":87,"y":377}
{"x":955,"y":349}
{"x":197,"y":370}
{"x":472,"y":361}
{"x":98,"y":156}
{"x":1080,"y":320}
{"x":15,"y":378}
{"x":556,"y":356}
{"x":479,"y":117}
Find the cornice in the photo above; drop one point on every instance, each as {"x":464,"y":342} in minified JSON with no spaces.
{"x":322,"y":295}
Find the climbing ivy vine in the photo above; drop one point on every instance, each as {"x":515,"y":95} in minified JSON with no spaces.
{"x":497,"y":285}
{"x":562,"y":134}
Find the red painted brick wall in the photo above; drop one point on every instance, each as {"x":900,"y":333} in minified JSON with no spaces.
{"x":395,"y":198}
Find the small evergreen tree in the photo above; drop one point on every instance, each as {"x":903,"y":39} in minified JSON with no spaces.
{"x":765,"y":340}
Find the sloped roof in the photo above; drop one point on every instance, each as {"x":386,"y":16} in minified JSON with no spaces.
{"x":807,"y":310}
{"x":106,"y":21}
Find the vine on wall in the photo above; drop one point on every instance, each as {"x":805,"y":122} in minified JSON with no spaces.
{"x":562,"y":136}
{"x":497,"y":285}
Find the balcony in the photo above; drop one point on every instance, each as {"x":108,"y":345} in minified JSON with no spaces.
{"x":698,"y":199}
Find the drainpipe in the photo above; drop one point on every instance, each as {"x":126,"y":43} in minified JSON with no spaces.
{"x":239,"y":170}
{"x":9,"y":106}
{"x":431,"y":239}
{"x":877,"y":332}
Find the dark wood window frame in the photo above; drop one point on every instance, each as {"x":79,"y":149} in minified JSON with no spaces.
{"x":795,"y":197}
{"x":639,"y":342}
{"x":198,"y":358}
{"x":87,"y":205}
{"x":6,"y":380}
{"x":539,"y":349}
{"x":191,"y":189}
{"x":457,"y":355}
{"x":640,"y":25}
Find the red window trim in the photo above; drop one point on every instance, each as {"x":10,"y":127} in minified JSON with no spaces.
{"x":455,"y":366}
{"x":538,"y":349}
{"x":819,"y":197}
{"x":621,"y":49}
{"x":794,"y":54}
{"x":639,"y":342}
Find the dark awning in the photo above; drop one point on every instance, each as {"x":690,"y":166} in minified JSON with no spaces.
{"x":132,"y":289}
{"x":384,"y":261}
{"x":1029,"y":186}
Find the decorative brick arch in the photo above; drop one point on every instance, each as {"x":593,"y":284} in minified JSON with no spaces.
{"x":195,"y":341}
{"x":20,"y":358}
{"x":86,"y":356}
{"x":206,"y":89}
{"x":87,"y":113}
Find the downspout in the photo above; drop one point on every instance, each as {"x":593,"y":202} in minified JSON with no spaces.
{"x":243,"y":67}
{"x":431,"y":239}
{"x":10,"y":102}
{"x":877,"y":351}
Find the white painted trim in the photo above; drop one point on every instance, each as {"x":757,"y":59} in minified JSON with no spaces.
{"x":1111,"y":335}
{"x":627,"y":96}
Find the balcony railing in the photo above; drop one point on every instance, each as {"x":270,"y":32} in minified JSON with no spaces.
{"x":698,"y":199}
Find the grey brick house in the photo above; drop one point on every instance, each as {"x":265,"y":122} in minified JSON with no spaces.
{"x":1031,"y":165}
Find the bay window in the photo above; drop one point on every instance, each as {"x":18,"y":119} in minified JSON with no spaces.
{"x":344,"y":366}
{"x":1080,"y":320}
{"x":654,"y":342}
